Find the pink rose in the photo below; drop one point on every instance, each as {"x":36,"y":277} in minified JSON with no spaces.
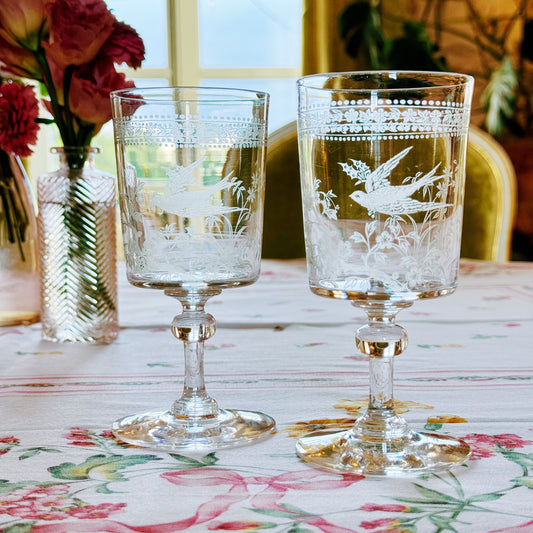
{"x":90,"y":89}
{"x":124,"y":46}
{"x":78,"y":29}
{"x":18,"y":61}
{"x":23,"y":22}
{"x":18,"y":111}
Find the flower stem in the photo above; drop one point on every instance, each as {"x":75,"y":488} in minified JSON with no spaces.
{"x":67,"y":79}
{"x":49,"y":82}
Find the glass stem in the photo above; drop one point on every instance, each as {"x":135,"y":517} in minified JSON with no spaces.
{"x":381,"y":339}
{"x":194,"y":326}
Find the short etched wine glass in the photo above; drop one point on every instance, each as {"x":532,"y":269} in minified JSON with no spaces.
{"x":382,"y":166}
{"x":191,"y":176}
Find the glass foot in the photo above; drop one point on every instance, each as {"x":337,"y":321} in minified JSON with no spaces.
{"x":164,"y":431}
{"x":412,"y":454}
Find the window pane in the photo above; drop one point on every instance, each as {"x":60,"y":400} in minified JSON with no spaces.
{"x":283,"y":96}
{"x":150,"y":22}
{"x":106,"y":159}
{"x":249,"y":33}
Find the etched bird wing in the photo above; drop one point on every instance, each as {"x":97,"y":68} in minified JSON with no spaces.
{"x":409,"y":206}
{"x":179,"y":177}
{"x":379,"y":178}
{"x":427,"y":179}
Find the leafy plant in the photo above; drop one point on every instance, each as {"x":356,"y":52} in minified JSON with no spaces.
{"x":417,"y":45}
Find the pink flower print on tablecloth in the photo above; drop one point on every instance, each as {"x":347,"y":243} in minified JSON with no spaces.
{"x":486,"y":445}
{"x":84,"y":437}
{"x":6,"y":443}
{"x":387,"y":508}
{"x":387,"y":524}
{"x":524,"y":528}
{"x":275,"y":487}
{"x":51,"y":502}
{"x":80,"y":437}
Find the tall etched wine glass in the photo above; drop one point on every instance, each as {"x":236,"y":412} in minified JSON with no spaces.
{"x":191,"y":175}
{"x":382,"y":166}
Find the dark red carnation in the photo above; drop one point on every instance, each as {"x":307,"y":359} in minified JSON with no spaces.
{"x":18,"y":111}
{"x":124,"y":46}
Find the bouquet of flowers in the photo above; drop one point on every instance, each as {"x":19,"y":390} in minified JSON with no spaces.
{"x":18,"y":129}
{"x":71,"y":47}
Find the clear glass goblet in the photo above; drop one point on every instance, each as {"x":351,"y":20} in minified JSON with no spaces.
{"x":382,"y":167}
{"x":191,"y":176}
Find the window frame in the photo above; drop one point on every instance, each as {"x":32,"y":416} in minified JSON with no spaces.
{"x":183,"y":68}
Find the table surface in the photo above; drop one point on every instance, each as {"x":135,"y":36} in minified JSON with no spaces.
{"x":284,"y":351}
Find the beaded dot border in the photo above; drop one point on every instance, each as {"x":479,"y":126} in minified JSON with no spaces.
{"x":189,"y":130}
{"x":384,"y":118}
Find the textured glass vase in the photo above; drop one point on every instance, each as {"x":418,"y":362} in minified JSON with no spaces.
{"x":77,"y":237}
{"x":19,"y":277}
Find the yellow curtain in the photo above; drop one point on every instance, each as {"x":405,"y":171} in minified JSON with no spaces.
{"x":323,"y":50}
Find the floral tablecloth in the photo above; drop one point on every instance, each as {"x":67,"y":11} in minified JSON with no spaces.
{"x":282,"y":350}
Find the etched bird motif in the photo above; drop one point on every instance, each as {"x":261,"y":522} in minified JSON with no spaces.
{"x":183,"y":196}
{"x":380,"y":196}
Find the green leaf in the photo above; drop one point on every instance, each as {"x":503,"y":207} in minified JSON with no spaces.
{"x":442,"y":522}
{"x":281,"y":514}
{"x":6,"y":487}
{"x":100,"y":467}
{"x":420,"y":501}
{"x":499,"y":97}
{"x":451,"y":479}
{"x":436,"y":496}
{"x":19,"y":528}
{"x":432,"y":427}
{"x":296,"y":528}
{"x":487,"y":497}
{"x":45,"y":121}
{"x":295,"y":509}
{"x":206,"y":460}
{"x":524,"y":481}
{"x":104,"y":489}
{"x":210,"y":459}
{"x":32,"y":452}
{"x":414,"y":50}
{"x":525,"y":460}
{"x":359,"y":26}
